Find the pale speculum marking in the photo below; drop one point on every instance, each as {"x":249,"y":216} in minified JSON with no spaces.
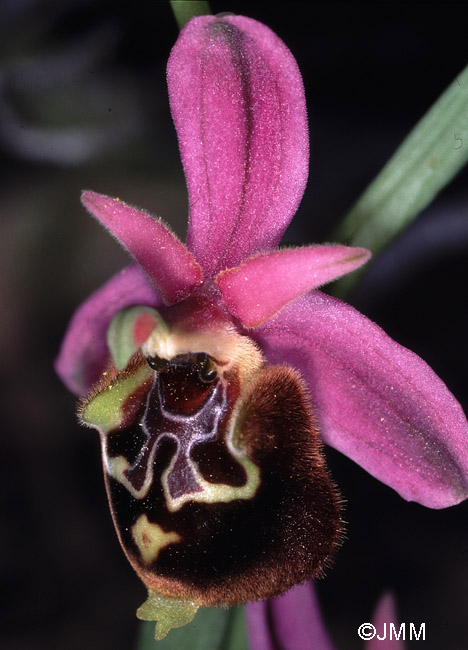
{"x":151,"y":538}
{"x":182,"y":481}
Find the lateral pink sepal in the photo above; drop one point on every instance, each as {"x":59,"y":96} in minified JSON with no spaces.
{"x":258,"y":288}
{"x":376,"y":401}
{"x":164,"y":258}
{"x":84,"y":353}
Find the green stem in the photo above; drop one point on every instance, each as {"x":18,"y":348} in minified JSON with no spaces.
{"x":427,"y":160}
{"x":184,"y":10}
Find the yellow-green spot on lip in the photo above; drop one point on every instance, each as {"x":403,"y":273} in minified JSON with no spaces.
{"x":167,"y":612}
{"x":104,"y":411}
{"x":151,"y":538}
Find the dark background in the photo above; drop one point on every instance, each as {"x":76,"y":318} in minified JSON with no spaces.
{"x":83,"y":105}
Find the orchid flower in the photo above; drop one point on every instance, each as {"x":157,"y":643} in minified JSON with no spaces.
{"x":214,"y":370}
{"x":294,"y":622}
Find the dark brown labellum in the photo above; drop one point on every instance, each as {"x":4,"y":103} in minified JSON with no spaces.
{"x":219,"y":492}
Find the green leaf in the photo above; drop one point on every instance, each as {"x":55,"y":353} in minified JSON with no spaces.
{"x":184,"y":10}
{"x":236,"y":638}
{"x":212,"y":629}
{"x":428,"y":159}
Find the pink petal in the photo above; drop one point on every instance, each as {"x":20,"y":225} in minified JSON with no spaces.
{"x":289,"y":622}
{"x":238,"y":105}
{"x":163,"y":257}
{"x":264,"y":284}
{"x":83,"y":355}
{"x":376,"y":401}
{"x":385,"y":614}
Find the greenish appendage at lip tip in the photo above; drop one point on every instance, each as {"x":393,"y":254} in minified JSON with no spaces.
{"x":184,"y":10}
{"x":104,"y":411}
{"x":169,"y":613}
{"x":213,"y":628}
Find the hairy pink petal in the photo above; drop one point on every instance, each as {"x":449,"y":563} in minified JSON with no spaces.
{"x":385,"y":613}
{"x":289,"y":622}
{"x":376,"y":401}
{"x":163,"y":257}
{"x":238,"y":105}
{"x":265,"y":283}
{"x":84,"y":353}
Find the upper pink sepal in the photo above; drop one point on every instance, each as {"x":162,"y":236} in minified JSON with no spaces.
{"x":290,"y":622}
{"x":376,"y":401}
{"x":384,"y":616}
{"x":84,"y":353}
{"x":164,"y":258}
{"x":238,"y":105}
{"x":262,"y":285}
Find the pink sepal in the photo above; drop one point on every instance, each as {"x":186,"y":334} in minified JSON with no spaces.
{"x":238,"y":105}
{"x":376,"y":401}
{"x":84,"y":353}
